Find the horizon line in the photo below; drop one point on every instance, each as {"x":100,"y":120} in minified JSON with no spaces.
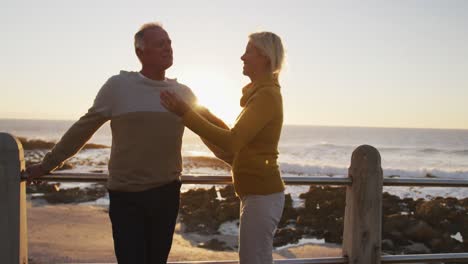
{"x":286,"y":124}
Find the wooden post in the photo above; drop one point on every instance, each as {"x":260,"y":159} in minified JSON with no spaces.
{"x":363,"y":214}
{"x":13,"y":232}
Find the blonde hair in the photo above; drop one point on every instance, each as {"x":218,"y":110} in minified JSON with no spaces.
{"x":139,"y":43}
{"x":271,"y":46}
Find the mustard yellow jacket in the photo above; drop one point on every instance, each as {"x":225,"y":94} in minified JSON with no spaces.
{"x":253,"y":140}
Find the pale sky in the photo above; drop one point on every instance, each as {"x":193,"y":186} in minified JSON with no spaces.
{"x":349,"y":63}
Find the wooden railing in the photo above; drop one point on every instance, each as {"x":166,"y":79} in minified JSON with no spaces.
{"x":362,"y":223}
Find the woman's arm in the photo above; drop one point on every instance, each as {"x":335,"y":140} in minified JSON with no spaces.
{"x":205,"y":113}
{"x":253,"y":118}
{"x":218,"y":152}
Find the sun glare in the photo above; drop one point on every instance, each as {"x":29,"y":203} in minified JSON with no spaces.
{"x":216,"y":92}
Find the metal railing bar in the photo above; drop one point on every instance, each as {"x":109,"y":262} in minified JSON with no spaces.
{"x":446,"y":257}
{"x":203,"y":179}
{"x":425,"y":182}
{"x":206,"y":262}
{"x":290,"y":180}
{"x":73,"y":177}
{"x":327,"y":260}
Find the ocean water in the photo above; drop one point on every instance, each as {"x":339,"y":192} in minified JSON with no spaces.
{"x":318,"y":151}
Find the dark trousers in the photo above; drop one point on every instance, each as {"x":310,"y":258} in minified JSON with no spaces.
{"x":143,"y":223}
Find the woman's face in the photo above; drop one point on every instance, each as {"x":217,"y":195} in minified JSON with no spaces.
{"x":255,"y":63}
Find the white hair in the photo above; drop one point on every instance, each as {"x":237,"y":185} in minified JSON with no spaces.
{"x":271,"y":46}
{"x":139,"y":43}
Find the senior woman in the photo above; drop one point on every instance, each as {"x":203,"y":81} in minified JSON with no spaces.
{"x":251,"y":146}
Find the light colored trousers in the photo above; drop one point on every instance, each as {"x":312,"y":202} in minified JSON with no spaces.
{"x":259,"y":217}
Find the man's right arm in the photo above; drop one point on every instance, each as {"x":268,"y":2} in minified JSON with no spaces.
{"x":77,"y":135}
{"x":73,"y":140}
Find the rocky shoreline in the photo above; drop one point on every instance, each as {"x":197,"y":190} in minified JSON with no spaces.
{"x":409,"y":226}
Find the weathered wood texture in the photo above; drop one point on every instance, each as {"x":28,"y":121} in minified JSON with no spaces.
{"x":363,"y":214}
{"x":13,"y":228}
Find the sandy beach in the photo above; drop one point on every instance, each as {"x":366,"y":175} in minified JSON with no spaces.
{"x":82,"y":234}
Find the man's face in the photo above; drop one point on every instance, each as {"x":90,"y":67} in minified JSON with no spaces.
{"x":157,"y":52}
